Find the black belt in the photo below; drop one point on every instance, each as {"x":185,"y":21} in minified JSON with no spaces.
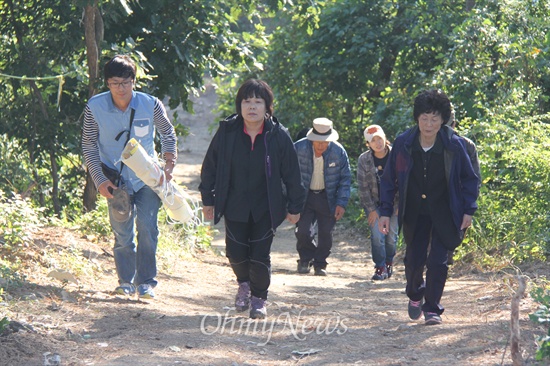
{"x":317,"y":191}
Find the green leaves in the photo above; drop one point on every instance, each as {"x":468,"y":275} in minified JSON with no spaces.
{"x":363,"y":62}
{"x":542,"y":316}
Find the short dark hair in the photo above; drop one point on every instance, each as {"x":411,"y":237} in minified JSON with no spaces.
{"x":432,"y":101}
{"x":254,"y":88}
{"x":121,"y":66}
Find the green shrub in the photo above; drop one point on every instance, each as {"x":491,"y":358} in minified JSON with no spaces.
{"x":95,"y":222}
{"x":542,"y":317}
{"x":10,"y":276}
{"x":178,"y":241}
{"x":18,"y":219}
{"x":14,"y":175}
{"x":4,"y":322}
{"x":511,"y":224}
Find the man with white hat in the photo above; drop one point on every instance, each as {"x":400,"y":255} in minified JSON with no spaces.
{"x":325,"y":170}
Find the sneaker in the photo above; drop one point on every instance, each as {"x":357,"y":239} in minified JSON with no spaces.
{"x":242,"y":300}
{"x":389,"y":269}
{"x":304,"y":266}
{"x":320,"y":271}
{"x":415,"y":309}
{"x":380,"y":273}
{"x":432,"y":318}
{"x":257,"y":310}
{"x":145,"y":291}
{"x":126,"y":289}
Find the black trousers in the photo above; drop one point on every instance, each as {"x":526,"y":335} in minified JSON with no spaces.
{"x":316,"y":208}
{"x":248,"y":248}
{"x":426,"y":250}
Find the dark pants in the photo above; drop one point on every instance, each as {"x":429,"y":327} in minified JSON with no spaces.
{"x":316,"y":209}
{"x":248,"y":247}
{"x":418,"y":256}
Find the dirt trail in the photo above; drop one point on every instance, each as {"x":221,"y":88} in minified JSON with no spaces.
{"x":344,"y":318}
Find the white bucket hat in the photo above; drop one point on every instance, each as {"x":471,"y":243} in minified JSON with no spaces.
{"x":322,"y":130}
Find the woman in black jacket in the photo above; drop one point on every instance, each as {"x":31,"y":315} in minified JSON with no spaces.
{"x":250,"y":175}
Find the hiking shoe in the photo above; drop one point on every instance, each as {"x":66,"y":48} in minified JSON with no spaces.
{"x":257,"y":308}
{"x":304,"y":266}
{"x":320,"y":271}
{"x":432,"y":318}
{"x":145,"y":291}
{"x":126,"y":289}
{"x":389,"y":269}
{"x":415,"y":309}
{"x":380,"y":273}
{"x":242,"y":300}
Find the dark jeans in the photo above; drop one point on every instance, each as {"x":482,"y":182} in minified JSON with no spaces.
{"x":417,"y":257}
{"x":248,"y":248}
{"x":316,"y":209}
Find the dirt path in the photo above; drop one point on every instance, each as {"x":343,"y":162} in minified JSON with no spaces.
{"x":344,"y":318}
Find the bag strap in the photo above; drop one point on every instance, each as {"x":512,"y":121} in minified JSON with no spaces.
{"x":132,"y":114}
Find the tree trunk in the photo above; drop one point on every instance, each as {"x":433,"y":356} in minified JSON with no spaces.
{"x":55,"y":183}
{"x":93,"y":33}
{"x":92,"y":52}
{"x":515,"y":335}
{"x":90,"y":194}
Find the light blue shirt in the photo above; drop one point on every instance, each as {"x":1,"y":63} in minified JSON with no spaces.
{"x":104,"y":123}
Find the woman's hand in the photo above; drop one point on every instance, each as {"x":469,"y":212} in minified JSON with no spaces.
{"x":466,"y":222}
{"x":384,"y":224}
{"x":292,"y":218}
{"x":208,"y":212}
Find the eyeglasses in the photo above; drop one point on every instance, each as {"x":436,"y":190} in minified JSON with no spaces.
{"x":123,"y":84}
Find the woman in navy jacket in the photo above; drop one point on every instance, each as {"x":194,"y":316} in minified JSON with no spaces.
{"x":250,"y":175}
{"x":437,"y":189}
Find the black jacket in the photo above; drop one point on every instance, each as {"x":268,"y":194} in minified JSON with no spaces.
{"x":284,"y":187}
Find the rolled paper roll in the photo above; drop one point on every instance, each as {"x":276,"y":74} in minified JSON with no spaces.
{"x":173,"y":197}
{"x":175,"y":202}
{"x":137,"y":159}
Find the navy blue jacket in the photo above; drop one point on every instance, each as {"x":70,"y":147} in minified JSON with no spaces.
{"x":462,"y":182}
{"x":336,"y":170}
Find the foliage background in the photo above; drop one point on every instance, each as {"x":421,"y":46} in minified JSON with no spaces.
{"x":356,"y":62}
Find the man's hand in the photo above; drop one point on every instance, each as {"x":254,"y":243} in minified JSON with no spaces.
{"x":169,"y":164}
{"x":339,"y":212}
{"x":169,"y":169}
{"x":292,"y":218}
{"x":106,"y":188}
{"x":373,"y":216}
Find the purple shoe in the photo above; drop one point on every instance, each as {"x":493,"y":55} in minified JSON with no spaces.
{"x":242,"y":300}
{"x":258,"y":310}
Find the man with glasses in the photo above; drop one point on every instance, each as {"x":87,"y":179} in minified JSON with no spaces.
{"x":110,"y":120}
